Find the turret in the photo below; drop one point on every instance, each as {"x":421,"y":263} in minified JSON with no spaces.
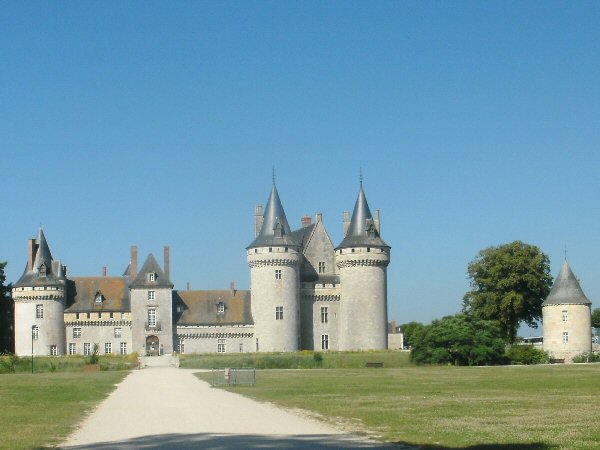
{"x":362,"y":259}
{"x":567,"y":318}
{"x":39,"y":298}
{"x":274,"y":260}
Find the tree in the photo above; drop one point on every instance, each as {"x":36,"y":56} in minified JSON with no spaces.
{"x":596,"y":318}
{"x":6,"y":314}
{"x":461,"y":340}
{"x":410,"y":330}
{"x":509,"y":284}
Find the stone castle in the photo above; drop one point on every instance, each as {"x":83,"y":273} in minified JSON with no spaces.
{"x":305,"y":294}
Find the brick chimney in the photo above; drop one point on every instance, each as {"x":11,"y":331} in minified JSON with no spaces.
{"x":31,"y":251}
{"x":378,"y":221}
{"x":306,"y":221}
{"x":232,"y":288}
{"x":319,"y":217}
{"x":133,"y":268}
{"x":346,"y":222}
{"x":167,"y":262}
{"x":104,"y":271}
{"x":258,"y":219}
{"x":394,"y":327}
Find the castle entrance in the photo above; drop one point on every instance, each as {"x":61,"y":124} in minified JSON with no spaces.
{"x":152,"y":346}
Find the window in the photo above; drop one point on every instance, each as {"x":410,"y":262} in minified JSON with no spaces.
{"x":278,"y":274}
{"x":43,"y":270}
{"x":324,"y":342}
{"x":111,"y":315}
{"x":53,"y":350}
{"x":181,"y":346}
{"x":565,"y":337}
{"x":39,"y":311}
{"x":220,"y":308}
{"x":220,"y":345}
{"x":279,"y":313}
{"x":123,"y":348}
{"x":151,"y":295}
{"x":76,"y":332}
{"x":118,"y":332}
{"x":99,"y":315}
{"x":322,"y":267}
{"x":72,"y":348}
{"x":151,"y":276}
{"x":98,"y":298}
{"x":87,"y":348}
{"x":88,"y":315}
{"x":241,"y":347}
{"x":565,"y":315}
{"x":76,"y":316}
{"x":324,"y":314}
{"x":35,"y":333}
{"x":107,"y":348}
{"x":151,"y":317}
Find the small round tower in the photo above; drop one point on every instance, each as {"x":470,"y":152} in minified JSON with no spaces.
{"x":362,"y":259}
{"x":567,"y":318}
{"x":274,"y":258}
{"x":40,"y":296}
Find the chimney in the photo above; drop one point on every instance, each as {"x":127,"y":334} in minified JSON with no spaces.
{"x":167,"y":262}
{"x":394,"y":326}
{"x":258,"y":219}
{"x":187,"y":286}
{"x":346,"y":222}
{"x":232,"y":288}
{"x":377,"y":221}
{"x":319,"y":217}
{"x":306,"y":221}
{"x":31,"y":250}
{"x":134,"y":262}
{"x":104,"y":271}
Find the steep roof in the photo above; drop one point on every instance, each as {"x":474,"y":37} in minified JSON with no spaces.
{"x":275,"y":229}
{"x":151,"y":266}
{"x":200,"y":307}
{"x":566,"y":289}
{"x":54,"y":275}
{"x":362,"y":231}
{"x":82,"y":293}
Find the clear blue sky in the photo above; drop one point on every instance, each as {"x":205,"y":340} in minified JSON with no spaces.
{"x":152,"y":123}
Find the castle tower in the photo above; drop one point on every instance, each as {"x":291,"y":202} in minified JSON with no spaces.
{"x":39,"y":298}
{"x":567,"y":318}
{"x":151,"y":294}
{"x":362,"y":259}
{"x":274,"y":259}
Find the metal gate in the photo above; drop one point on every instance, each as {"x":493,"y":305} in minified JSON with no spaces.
{"x":231,"y":377}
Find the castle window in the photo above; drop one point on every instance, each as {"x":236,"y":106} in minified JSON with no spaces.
{"x":123,"y":348}
{"x":98,"y":298}
{"x":279,"y":313}
{"x":565,"y":316}
{"x":565,"y":337}
{"x":324,"y":342}
{"x":118,"y":332}
{"x":35,"y":332}
{"x":43,"y":270}
{"x":352,"y":250}
{"x":53,"y":350}
{"x":88,"y":315}
{"x":257,"y":346}
{"x":72,"y":348}
{"x":181,"y":346}
{"x":107,"y":348}
{"x":324,"y":314}
{"x":270,"y":249}
{"x":99,"y":315}
{"x":111,"y":315}
{"x":278,"y":274}
{"x":151,"y":295}
{"x":220,"y":308}
{"x":39,"y":311}
{"x":151,"y":276}
{"x":220,"y":345}
{"x":76,"y":332}
{"x":286,"y":249}
{"x":87,"y":349}
{"x":368,"y":249}
{"x":77,"y":316}
{"x":152,"y":317}
{"x":322,"y":267}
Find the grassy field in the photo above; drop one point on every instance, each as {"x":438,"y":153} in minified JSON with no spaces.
{"x":75,"y":363}
{"x":42,"y":409}
{"x":449,"y":407}
{"x":300,"y":360}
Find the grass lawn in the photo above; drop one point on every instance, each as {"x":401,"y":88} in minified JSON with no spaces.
{"x":436,"y":407}
{"x":43,"y":408}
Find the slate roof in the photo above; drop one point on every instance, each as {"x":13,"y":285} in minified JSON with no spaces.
{"x":302,"y":234}
{"x":82,"y":292}
{"x":362,"y":231}
{"x":275,"y":230}
{"x":200,"y":307}
{"x":151,"y":266}
{"x":566,"y":289}
{"x":54,"y":269}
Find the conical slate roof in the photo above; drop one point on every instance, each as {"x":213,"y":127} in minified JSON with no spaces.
{"x":362,"y":231}
{"x":566,"y":289}
{"x":275,"y":229}
{"x":43,"y":255}
{"x":54,"y":270}
{"x":151,"y":266}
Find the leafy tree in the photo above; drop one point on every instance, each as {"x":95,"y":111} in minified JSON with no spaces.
{"x":509,"y":284}
{"x":526,"y":354}
{"x":6,"y":325}
{"x":410,"y":330}
{"x":596,"y":318}
{"x":460,"y":340}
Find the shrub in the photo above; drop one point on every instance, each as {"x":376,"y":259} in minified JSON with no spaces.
{"x":590,"y":357}
{"x":93,"y":357}
{"x":525,"y":355}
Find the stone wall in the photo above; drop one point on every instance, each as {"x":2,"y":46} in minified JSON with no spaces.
{"x":205,"y":339}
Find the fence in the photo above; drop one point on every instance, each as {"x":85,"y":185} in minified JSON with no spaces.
{"x":230,"y":377}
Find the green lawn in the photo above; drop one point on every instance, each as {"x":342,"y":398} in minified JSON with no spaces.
{"x":43,"y":408}
{"x":436,"y":407}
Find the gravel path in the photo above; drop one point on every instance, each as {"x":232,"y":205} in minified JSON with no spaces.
{"x":165,"y":407}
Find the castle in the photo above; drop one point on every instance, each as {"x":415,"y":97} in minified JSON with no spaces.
{"x":305,"y":294}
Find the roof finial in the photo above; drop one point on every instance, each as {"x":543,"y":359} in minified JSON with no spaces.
{"x":273,"y":174}
{"x":361,"y":177}
{"x":565,"y":252}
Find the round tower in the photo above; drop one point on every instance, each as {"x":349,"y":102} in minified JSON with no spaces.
{"x":40,"y":296}
{"x":362,"y":259}
{"x":567,"y":318}
{"x":274,"y":259}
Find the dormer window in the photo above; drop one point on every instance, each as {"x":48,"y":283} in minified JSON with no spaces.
{"x":98,"y":298}
{"x":278,"y":229}
{"x":43,"y":270}
{"x":371,"y":230}
{"x":220,"y":308}
{"x":151,"y":276}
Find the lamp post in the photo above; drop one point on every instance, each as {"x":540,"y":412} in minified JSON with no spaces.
{"x":32,"y":336}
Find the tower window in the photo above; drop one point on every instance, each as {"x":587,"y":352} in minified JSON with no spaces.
{"x":118,"y":332}
{"x":278,"y":274}
{"x":35,"y":332}
{"x":39,"y":311}
{"x":123,"y":348}
{"x":151,"y":295}
{"x":565,"y":316}
{"x":279,"y":313}
{"x":72,"y":348}
{"x":53,"y":350}
{"x":322,"y":267}
{"x":270,"y":249}
{"x":43,"y":270}
{"x":565,"y":337}
{"x":151,"y":317}
{"x":324,"y":314}
{"x":324,"y":342}
{"x":220,"y":345}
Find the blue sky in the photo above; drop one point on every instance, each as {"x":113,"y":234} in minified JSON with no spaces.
{"x":152,"y":123}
